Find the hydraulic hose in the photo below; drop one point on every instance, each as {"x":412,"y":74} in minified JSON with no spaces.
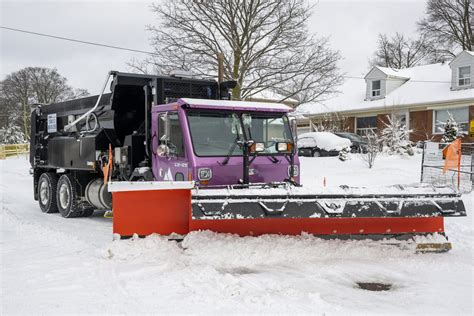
{"x":69,"y":126}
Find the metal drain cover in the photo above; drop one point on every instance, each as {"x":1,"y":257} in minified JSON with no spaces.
{"x":372,"y":286}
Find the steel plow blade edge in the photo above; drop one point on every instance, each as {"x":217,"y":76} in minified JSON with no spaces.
{"x":253,"y":207}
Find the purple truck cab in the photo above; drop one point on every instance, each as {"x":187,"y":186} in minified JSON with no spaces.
{"x":202,"y":140}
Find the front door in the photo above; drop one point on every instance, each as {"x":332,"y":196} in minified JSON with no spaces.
{"x":170,"y":163}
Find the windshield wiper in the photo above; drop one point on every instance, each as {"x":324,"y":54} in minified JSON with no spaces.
{"x":232,"y":148}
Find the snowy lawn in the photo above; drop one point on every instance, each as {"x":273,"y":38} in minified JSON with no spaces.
{"x":51,"y":265}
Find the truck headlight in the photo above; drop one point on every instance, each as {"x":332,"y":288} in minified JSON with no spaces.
{"x":284,"y":147}
{"x":296,"y":170}
{"x":257,"y":147}
{"x":204,"y":174}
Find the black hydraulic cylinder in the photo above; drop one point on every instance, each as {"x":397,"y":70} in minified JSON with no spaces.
{"x":147,"y":119}
{"x":246,"y":161}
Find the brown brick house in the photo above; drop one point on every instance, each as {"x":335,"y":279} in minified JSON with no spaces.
{"x":421,"y":97}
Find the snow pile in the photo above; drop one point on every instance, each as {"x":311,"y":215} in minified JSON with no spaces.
{"x":222,"y":273}
{"x":323,"y":140}
{"x":52,"y":265}
{"x":316,"y":189}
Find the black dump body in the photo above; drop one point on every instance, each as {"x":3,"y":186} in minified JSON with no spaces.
{"x":119,"y":120}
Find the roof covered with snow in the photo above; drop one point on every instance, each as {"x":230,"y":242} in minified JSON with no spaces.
{"x":271,"y":95}
{"x":392,"y":72}
{"x":426,"y":85}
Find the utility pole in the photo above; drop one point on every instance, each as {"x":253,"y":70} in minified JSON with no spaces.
{"x":220,"y":67}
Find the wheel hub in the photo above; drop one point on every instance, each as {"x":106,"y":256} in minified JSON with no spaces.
{"x":64,"y":196}
{"x":44,"y":192}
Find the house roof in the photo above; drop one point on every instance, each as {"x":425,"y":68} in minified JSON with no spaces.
{"x":426,"y":85}
{"x":460,"y":54}
{"x":270,"y":95}
{"x":392,"y":72}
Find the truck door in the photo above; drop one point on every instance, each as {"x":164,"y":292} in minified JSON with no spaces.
{"x":170,"y":162}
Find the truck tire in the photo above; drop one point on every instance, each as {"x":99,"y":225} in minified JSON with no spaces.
{"x":87,"y":212}
{"x":67,"y":199}
{"x":47,"y":185}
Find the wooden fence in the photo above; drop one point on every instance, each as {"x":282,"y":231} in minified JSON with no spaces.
{"x":13,"y":150}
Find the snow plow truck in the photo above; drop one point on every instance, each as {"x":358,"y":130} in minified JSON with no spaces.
{"x":175,"y":154}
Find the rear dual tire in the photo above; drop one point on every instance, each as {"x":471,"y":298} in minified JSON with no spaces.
{"x":60,"y":195}
{"x":67,"y":199}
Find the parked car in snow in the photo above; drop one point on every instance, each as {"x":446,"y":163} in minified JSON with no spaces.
{"x":358,"y":143}
{"x":318,"y":144}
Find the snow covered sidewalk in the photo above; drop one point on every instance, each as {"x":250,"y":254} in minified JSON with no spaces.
{"x":51,"y":265}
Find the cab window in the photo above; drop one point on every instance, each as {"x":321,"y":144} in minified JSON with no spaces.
{"x":173,"y":138}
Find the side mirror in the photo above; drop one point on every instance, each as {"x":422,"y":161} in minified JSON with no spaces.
{"x":165,"y":122}
{"x":294,"y":127}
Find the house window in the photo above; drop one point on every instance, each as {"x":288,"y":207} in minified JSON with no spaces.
{"x":375,"y":88}
{"x":464,"y":76}
{"x":366,"y":125}
{"x":460,"y":115}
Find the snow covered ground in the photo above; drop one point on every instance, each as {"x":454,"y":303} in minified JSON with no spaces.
{"x":51,"y":265}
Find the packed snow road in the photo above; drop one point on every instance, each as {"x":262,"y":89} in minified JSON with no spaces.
{"x":52,"y":265}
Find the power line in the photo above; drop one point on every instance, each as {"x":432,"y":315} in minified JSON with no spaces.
{"x":78,"y":41}
{"x":151,"y":53}
{"x":411,"y":80}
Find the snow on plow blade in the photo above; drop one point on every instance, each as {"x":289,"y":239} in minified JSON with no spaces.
{"x":144,"y":208}
{"x":393,"y":211}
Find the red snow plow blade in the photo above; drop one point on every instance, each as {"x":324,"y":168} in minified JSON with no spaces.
{"x":144,"y":208}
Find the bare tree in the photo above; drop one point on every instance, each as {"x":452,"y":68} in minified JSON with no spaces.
{"x":449,"y":24}
{"x":400,"y":51}
{"x":266,"y":45}
{"x":373,"y":148}
{"x":331,"y":122}
{"x":31,"y":85}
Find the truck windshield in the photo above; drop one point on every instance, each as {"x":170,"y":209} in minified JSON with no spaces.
{"x":216,"y":134}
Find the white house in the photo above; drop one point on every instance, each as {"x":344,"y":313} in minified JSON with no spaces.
{"x":421,"y":97}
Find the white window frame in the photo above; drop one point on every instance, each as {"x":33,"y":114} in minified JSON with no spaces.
{"x":435,"y":132}
{"x":466,"y":80}
{"x":375,"y":92}
{"x":365,"y":129}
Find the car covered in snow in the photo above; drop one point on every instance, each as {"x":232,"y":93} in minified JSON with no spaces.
{"x":320,"y":144}
{"x":358,"y":143}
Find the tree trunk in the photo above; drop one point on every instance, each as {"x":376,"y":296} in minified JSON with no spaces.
{"x":236,"y":92}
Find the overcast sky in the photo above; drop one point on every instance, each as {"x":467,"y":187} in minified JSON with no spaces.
{"x":352,"y":26}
